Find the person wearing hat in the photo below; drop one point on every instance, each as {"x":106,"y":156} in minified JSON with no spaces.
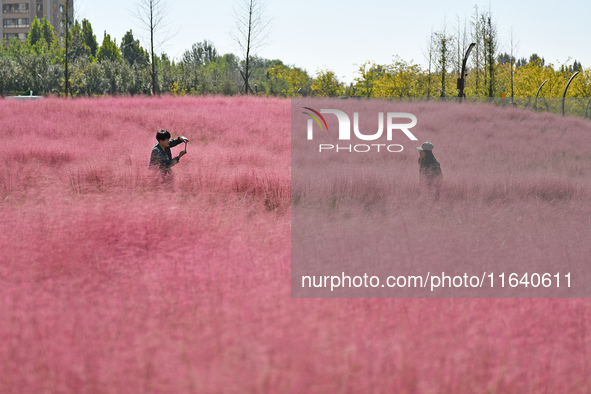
{"x":429,"y":169}
{"x":161,"y":156}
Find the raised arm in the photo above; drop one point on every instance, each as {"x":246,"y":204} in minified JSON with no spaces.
{"x":176,"y":141}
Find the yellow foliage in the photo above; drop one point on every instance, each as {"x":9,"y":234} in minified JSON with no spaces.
{"x":288,"y":81}
{"x":176,"y":90}
{"x":326,"y":84}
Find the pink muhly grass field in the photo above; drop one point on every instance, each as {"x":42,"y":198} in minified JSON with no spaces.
{"x":111,"y":283}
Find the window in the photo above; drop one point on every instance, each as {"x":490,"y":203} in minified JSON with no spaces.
{"x":61,"y":8}
{"x":10,"y":36}
{"x":16,"y":22}
{"x":39,"y":6}
{"x":15,"y":8}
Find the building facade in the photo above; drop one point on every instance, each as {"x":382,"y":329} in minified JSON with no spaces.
{"x":17,"y":16}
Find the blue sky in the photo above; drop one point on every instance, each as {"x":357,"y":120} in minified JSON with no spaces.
{"x":342,"y":34}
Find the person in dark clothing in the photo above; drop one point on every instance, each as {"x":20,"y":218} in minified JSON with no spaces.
{"x":430,"y":173}
{"x":161,"y":157}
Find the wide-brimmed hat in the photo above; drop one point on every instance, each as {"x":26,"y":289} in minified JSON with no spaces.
{"x":426,"y":146}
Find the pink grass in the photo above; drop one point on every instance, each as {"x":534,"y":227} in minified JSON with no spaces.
{"x":110,"y":284}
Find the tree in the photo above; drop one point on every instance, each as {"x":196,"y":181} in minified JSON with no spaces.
{"x":400,"y":79}
{"x":34,"y":35}
{"x":577,"y":66}
{"x":288,"y":81}
{"x":490,"y":41}
{"x":8,"y":69}
{"x":78,"y":47}
{"x":534,"y":56}
{"x":67,"y":7}
{"x":194,"y":66}
{"x":520,"y":62}
{"x":151,"y":15}
{"x":512,"y":61}
{"x":108,"y":50}
{"x":200,"y":54}
{"x":133,"y":53}
{"x":461,"y":45}
{"x":505,"y":58}
{"x":430,"y":56}
{"x":230,"y":78}
{"x":251,"y":33}
{"x":47,"y":32}
{"x":529,"y":77}
{"x":326,"y":83}
{"x":369,"y":74}
{"x":112,"y":72}
{"x":477,"y":51}
{"x":444,"y":55}
{"x":167,"y":71}
{"x":88,"y":78}
{"x":89,"y":37}
{"x":31,"y":61}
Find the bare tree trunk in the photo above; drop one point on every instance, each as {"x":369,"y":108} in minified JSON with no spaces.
{"x":251,"y":34}
{"x":247,"y":68}
{"x":151,"y":15}
{"x":477,"y":38}
{"x":443,"y":54}
{"x":459,"y":53}
{"x":153,"y":72}
{"x":491,"y":47}
{"x":430,"y":64}
{"x":512,"y":62}
{"x":66,"y":20}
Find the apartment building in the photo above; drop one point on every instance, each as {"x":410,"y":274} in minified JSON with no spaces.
{"x":17,"y":16}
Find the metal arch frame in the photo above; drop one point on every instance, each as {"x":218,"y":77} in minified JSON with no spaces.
{"x":537,"y":93}
{"x":566,"y":88}
{"x":462,"y":79}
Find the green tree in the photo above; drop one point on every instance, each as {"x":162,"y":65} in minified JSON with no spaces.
{"x":111,"y":69}
{"x":67,"y":6}
{"x":35,"y":34}
{"x":89,"y":37}
{"x":534,"y":56}
{"x":474,"y":88}
{"x":8,"y":68}
{"x":200,"y":54}
{"x":168,"y":72}
{"x":31,"y":61}
{"x":78,"y":47}
{"x":47,"y":32}
{"x":490,"y":41}
{"x":230,"y":77}
{"x":443,"y":56}
{"x":108,"y":50}
{"x":87,"y":78}
{"x":133,"y":53}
